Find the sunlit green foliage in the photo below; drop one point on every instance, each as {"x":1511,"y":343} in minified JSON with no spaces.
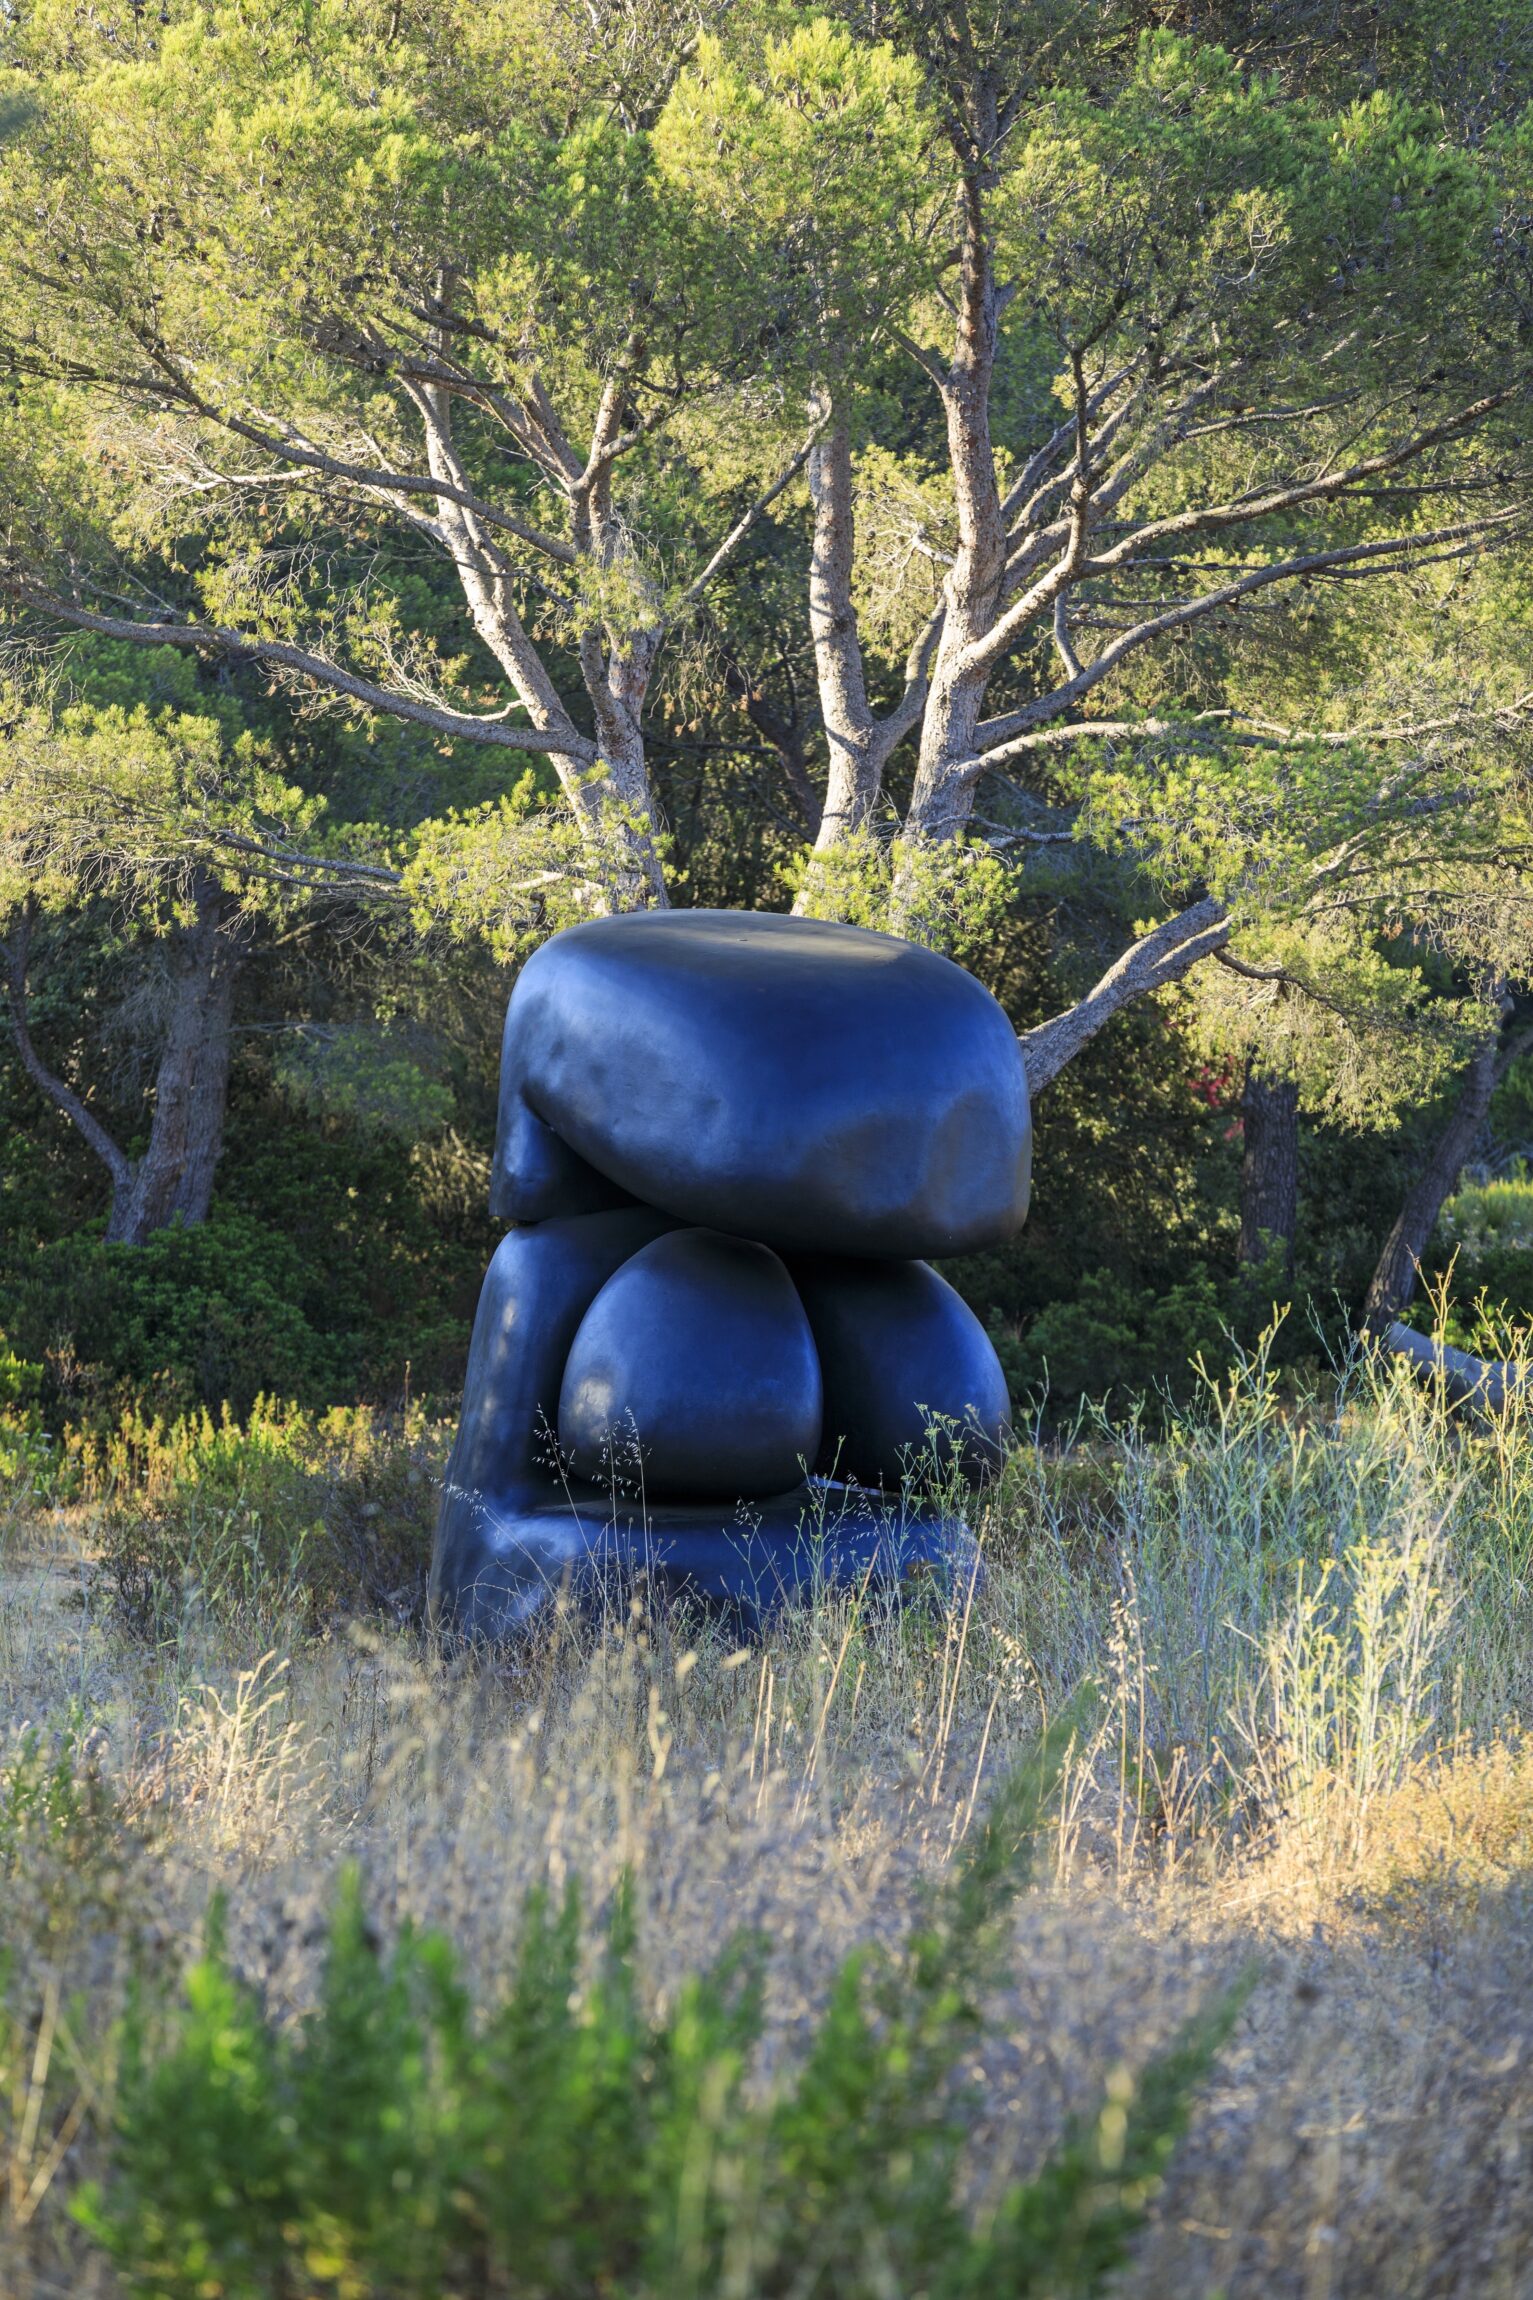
{"x":290,"y":1519}
{"x":239,"y":235}
{"x":131,"y":804}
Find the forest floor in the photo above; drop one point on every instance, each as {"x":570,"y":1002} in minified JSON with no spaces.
{"x":1308,"y":1639}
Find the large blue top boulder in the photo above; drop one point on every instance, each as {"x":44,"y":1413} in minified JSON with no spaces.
{"x":812,"y":1086}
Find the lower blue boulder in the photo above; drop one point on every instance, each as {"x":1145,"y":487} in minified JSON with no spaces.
{"x":517,"y":1535}
{"x":693,"y":1373}
{"x":911,"y":1380}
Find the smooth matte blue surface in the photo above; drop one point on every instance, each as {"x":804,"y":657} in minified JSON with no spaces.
{"x":686,"y":1096}
{"x":516,"y":1533}
{"x":813,"y":1086}
{"x":581,"y":1549}
{"x":911,"y":1378}
{"x":693,"y":1375}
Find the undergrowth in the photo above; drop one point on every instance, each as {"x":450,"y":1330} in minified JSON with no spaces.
{"x":291,"y":1518}
{"x":1306,"y":1627}
{"x":573,"y":2141}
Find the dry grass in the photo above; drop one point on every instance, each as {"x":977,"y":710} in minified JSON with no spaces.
{"x":1310,"y":1643}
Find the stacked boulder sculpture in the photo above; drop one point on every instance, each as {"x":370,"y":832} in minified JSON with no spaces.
{"x":710,"y":1348}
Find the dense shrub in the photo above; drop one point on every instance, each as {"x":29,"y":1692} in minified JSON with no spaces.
{"x":1479,"y":1267}
{"x":1114,"y":1340}
{"x":336,"y":1265}
{"x":24,"y":1452}
{"x":574,"y":2142}
{"x":292,"y":1516}
{"x":1127,"y":1346}
{"x":196,"y":1315}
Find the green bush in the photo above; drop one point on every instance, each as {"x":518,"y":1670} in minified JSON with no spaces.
{"x":574,"y":2143}
{"x":192,"y":1315}
{"x":1113,"y":1342}
{"x":54,"y":1799}
{"x":1478,"y":1269}
{"x":25,"y":1455}
{"x":339,"y":1282}
{"x":290,"y":1518}
{"x":1495,"y":1215}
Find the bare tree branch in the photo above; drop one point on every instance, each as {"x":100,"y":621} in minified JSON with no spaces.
{"x":748,"y":518}
{"x":1406,"y":548}
{"x":17,"y":949}
{"x":306,"y":870}
{"x":388,"y":486}
{"x":1163,"y":955}
{"x":235,"y":646}
{"x":1241,"y":729}
{"x":1489,"y":1383}
{"x":1241,"y":510}
{"x":1257,"y":504}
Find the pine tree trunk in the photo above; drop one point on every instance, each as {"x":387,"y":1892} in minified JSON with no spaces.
{"x":1269,"y":1167}
{"x":173,"y":1180}
{"x":857,"y":755}
{"x":1394,"y":1280}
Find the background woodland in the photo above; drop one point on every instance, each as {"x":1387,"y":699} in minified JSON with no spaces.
{"x":1052,"y":483}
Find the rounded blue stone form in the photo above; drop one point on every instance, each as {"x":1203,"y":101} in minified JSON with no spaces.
{"x":912,"y":1381}
{"x":810,"y":1085}
{"x":693,"y":1373}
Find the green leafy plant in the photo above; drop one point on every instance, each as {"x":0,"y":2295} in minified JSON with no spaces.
{"x":25,"y":1456}
{"x":575,"y":2141}
{"x":1116,"y":1340}
{"x":54,"y":1799}
{"x":1478,"y":1268}
{"x":289,"y":1517}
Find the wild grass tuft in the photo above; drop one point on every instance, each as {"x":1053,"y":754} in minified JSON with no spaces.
{"x":279,"y":1523}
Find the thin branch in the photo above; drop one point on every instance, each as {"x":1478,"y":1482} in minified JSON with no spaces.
{"x":1017,"y":834}
{"x":17,"y":951}
{"x":927,"y":361}
{"x":748,"y":518}
{"x":210,"y":639}
{"x":1162,"y":956}
{"x":291,"y":448}
{"x":982,"y":652}
{"x":1082,"y":731}
{"x":395,"y":487}
{"x":1165,"y":434}
{"x":1247,"y":973}
{"x":1220,"y":726}
{"x":1408,"y":549}
{"x":897,"y":722}
{"x":1035,"y":472}
{"x":305,"y":869}
{"x":1240,"y":510}
{"x":1062,"y":647}
{"x":1211,"y":518}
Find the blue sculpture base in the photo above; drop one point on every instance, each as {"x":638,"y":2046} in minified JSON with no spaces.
{"x":504,"y":1563}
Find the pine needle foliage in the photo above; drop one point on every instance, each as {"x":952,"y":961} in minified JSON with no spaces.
{"x":574,"y":2140}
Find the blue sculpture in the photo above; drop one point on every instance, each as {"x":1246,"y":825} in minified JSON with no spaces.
{"x":707,"y":1351}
